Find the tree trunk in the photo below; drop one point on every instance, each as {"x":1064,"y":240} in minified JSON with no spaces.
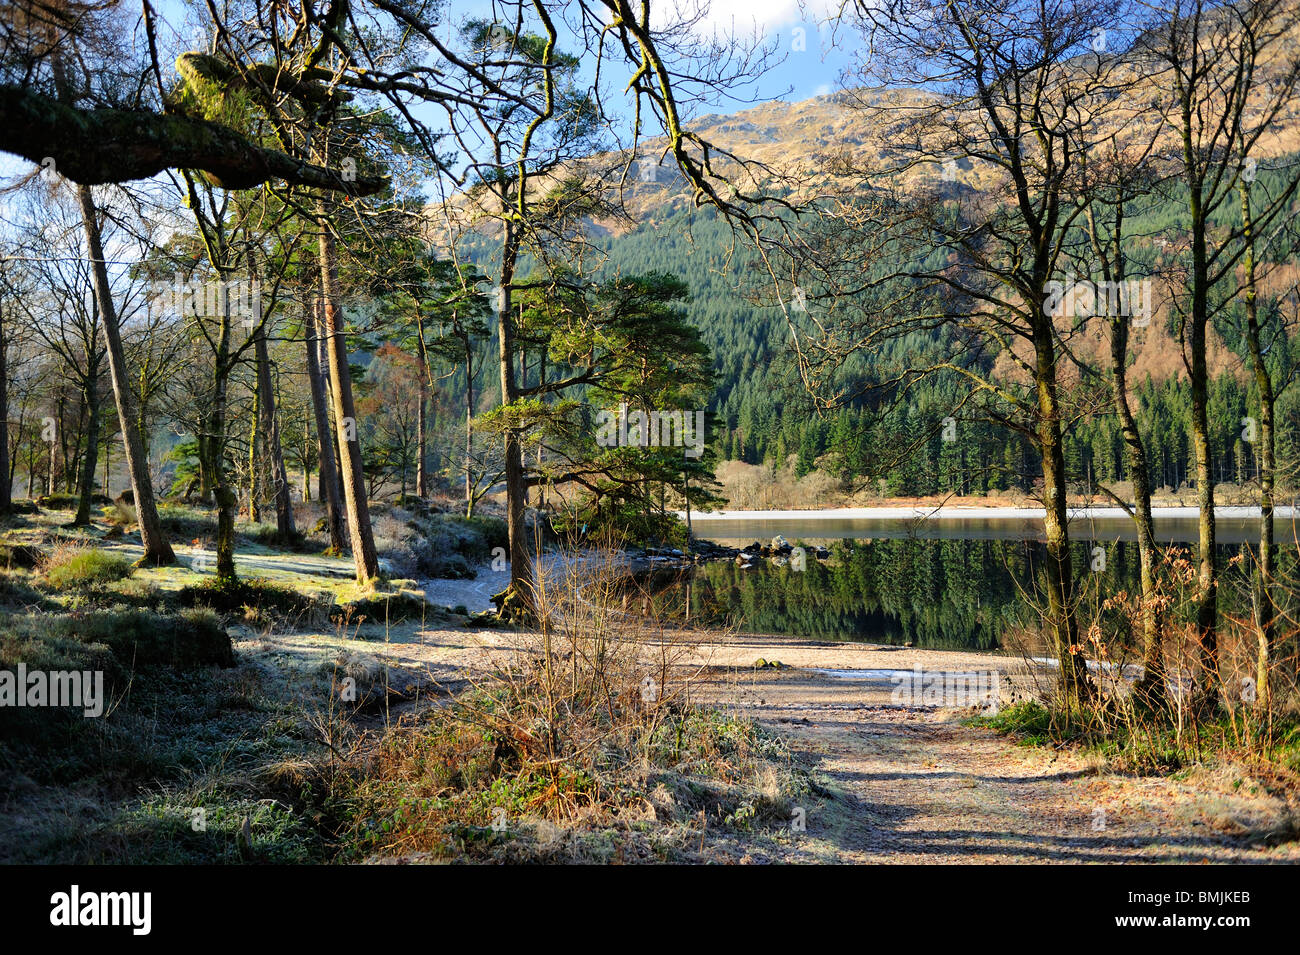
{"x":6,"y":473}
{"x":329,"y":481}
{"x":1153,"y":680}
{"x":254,"y":511}
{"x":1115,"y":270}
{"x":215,"y":428}
{"x":541,"y":452}
{"x":349,"y":445}
{"x":521,"y":578}
{"x":91,"y":461}
{"x":69,"y":472}
{"x":1073,"y":682}
{"x":469,"y":429}
{"x":1265,"y":613}
{"x":421,"y":440}
{"x":157,"y":549}
{"x":205,"y":476}
{"x":271,"y":440}
{"x":1207,"y":607}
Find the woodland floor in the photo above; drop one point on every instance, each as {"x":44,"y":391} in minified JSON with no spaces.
{"x":894,"y":783}
{"x":907,"y":784}
{"x":923,"y":786}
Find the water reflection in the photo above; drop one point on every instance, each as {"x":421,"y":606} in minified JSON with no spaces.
{"x":943,"y":593}
{"x":1172,"y":525}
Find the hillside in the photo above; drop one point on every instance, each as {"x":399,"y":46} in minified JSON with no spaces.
{"x":760,"y":412}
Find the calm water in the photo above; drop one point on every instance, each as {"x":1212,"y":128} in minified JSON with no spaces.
{"x":1172,"y":525}
{"x":950,"y":584}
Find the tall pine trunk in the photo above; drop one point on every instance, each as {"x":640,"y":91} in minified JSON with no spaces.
{"x":521,"y":578}
{"x":271,"y":439}
{"x":351,"y":473}
{"x":91,"y":461}
{"x":6,"y":473}
{"x":157,"y":549}
{"x":330,"y":491}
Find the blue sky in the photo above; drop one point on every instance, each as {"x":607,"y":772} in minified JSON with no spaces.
{"x":796,"y":28}
{"x":808,"y":66}
{"x":804,"y":63}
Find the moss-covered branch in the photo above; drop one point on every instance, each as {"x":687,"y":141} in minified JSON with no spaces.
{"x":95,"y":146}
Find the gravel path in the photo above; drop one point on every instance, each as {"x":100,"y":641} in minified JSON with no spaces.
{"x":904,"y":783}
{"x":917,"y":785}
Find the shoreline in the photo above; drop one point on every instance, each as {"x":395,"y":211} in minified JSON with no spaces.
{"x":961,"y":511}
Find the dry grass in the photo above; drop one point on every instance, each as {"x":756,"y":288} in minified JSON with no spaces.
{"x":1200,"y":711}
{"x":583,"y":745}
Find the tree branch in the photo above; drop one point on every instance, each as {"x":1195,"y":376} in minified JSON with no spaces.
{"x":96,"y":146}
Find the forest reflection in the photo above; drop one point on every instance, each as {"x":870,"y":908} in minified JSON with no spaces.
{"x":941,"y":594}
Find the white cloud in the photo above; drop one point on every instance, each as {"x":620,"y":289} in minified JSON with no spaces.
{"x":743,"y":17}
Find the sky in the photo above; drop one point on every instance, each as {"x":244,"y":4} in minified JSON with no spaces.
{"x":797,"y":28}
{"x":809,"y":65}
{"x":804,"y":62}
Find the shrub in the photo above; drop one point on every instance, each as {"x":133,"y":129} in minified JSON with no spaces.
{"x":185,"y":522}
{"x":269,"y":535}
{"x":112,"y":643}
{"x":570,"y":737}
{"x":191,"y":638}
{"x":437,"y":545}
{"x":58,"y":502}
{"x":252,"y":597}
{"x":389,"y":607}
{"x":75,"y":569}
{"x":16,"y":591}
{"x":21,"y":555}
{"x":134,"y":637}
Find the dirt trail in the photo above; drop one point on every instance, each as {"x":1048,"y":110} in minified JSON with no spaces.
{"x":914,"y":784}
{"x":918,"y":785}
{"x":907,"y":783}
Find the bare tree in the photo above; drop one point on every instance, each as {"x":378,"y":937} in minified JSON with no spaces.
{"x":1231,"y":71}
